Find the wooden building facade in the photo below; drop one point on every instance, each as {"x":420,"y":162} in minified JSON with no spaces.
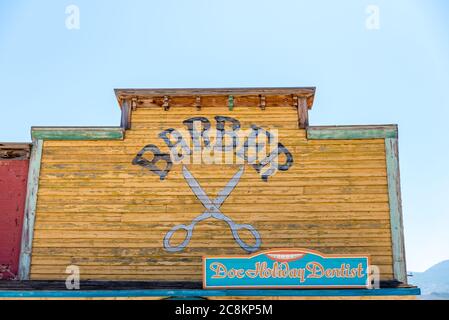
{"x":14,"y":161}
{"x":109,"y":200}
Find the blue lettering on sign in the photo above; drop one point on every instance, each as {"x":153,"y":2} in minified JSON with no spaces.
{"x":286,"y":268}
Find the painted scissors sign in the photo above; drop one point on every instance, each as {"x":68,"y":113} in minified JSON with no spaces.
{"x":267,"y":166}
{"x":212,"y":211}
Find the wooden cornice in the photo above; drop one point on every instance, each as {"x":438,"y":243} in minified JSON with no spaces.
{"x":15,"y":151}
{"x":302,"y":92}
{"x":301,"y":98}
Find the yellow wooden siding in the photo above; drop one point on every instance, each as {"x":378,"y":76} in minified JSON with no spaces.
{"x":98,"y":211}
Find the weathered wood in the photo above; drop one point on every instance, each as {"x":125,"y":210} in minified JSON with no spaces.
{"x":30,"y":210}
{"x":189,"y":253}
{"x":275,"y":107}
{"x":187,"y":199}
{"x":237,"y":209}
{"x":136,"y":289}
{"x":210,"y":246}
{"x":124,"y":159}
{"x":77,"y":133}
{"x":121,"y":174}
{"x":355,"y":233}
{"x":298,"y":139}
{"x":163,"y":194}
{"x":303,"y":114}
{"x":126,"y":110}
{"x":15,"y":151}
{"x":94,"y":202}
{"x":158,"y":261}
{"x":102,"y":285}
{"x":262,"y":218}
{"x":194,"y":271}
{"x":352,"y":132}
{"x":216,"y":98}
{"x":302,"y":92}
{"x":13,"y":189}
{"x":394,"y":191}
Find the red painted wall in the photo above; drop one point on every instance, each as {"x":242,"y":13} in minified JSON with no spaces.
{"x":13,"y":188}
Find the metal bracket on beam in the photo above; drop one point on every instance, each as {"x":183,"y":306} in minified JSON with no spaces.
{"x":166,"y":104}
{"x":295,"y":102}
{"x":231,"y":103}
{"x":198,"y":104}
{"x":134,"y":103}
{"x":262,"y":102}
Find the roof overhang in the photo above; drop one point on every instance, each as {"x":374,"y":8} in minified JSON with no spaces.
{"x":301,"y":92}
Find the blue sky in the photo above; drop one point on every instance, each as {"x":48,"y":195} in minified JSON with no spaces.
{"x":50,"y":75}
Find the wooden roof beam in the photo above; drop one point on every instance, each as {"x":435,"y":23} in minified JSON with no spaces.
{"x":307,"y":93}
{"x":15,"y":151}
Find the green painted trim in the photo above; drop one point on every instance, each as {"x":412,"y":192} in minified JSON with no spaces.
{"x":396,"y":221}
{"x":231,"y":103}
{"x":30,"y":210}
{"x":114,"y":133}
{"x":211,"y":293}
{"x":352,"y":132}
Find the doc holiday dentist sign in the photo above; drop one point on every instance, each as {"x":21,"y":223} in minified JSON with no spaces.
{"x":286,"y":268}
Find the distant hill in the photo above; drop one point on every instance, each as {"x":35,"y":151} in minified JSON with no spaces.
{"x":434,"y":282}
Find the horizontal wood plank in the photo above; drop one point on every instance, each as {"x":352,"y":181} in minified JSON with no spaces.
{"x":69,"y":133}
